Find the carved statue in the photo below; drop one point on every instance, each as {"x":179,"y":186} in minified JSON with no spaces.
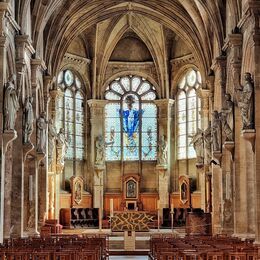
{"x":41,"y":133}
{"x":28,"y":118}
{"x":52,"y":135}
{"x":207,"y":144}
{"x":100,"y":150}
{"x":11,"y":104}
{"x":198,"y":144}
{"x":227,"y":118}
{"x":61,"y":146}
{"x":162,"y":151}
{"x":216,"y":131}
{"x":246,"y":102}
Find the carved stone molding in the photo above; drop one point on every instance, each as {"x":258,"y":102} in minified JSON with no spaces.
{"x":186,"y":59}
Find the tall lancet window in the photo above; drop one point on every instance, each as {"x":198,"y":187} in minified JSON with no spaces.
{"x":130,"y":120}
{"x":188,"y":113}
{"x":70,"y":114}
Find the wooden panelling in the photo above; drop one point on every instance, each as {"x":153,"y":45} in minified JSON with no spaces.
{"x":149,"y":201}
{"x":117,"y":199}
{"x":195,"y":199}
{"x":65,"y":201}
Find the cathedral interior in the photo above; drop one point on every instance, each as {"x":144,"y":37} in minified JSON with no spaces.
{"x":112,"y":106}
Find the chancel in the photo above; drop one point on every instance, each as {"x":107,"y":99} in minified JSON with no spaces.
{"x":129,"y":122}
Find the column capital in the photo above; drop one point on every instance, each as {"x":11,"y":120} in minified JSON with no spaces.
{"x":164,"y":102}
{"x":97,"y":103}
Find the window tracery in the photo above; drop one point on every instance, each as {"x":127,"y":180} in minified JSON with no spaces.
{"x":130,"y":120}
{"x":188,"y":113}
{"x":71,"y":114}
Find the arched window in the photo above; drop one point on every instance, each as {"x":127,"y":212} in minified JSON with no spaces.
{"x":188,"y":116}
{"x":130,"y":120}
{"x":70,"y":114}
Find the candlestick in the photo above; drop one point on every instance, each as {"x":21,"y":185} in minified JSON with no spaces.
{"x":172,"y":208}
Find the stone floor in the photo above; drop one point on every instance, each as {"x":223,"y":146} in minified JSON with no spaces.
{"x":128,"y":257}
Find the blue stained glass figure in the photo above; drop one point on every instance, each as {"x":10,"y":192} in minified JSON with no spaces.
{"x":130,"y":120}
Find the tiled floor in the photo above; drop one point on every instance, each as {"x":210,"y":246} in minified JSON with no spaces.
{"x":128,"y":257}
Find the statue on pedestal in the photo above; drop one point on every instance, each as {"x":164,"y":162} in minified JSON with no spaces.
{"x":227,"y":118}
{"x":198,"y":144}
{"x":216,"y":131}
{"x":162,"y":151}
{"x":61,"y":146}
{"x":208,"y":144}
{"x":11,"y":104}
{"x":28,"y":118}
{"x":100,"y":150}
{"x":246,"y":102}
{"x":41,"y":133}
{"x":52,"y":135}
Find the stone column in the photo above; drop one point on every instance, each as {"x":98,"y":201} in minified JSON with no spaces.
{"x":202,"y":171}
{"x":98,"y":191}
{"x":7,"y":27}
{"x":51,"y":195}
{"x":233,"y":48}
{"x":251,"y":23}
{"x":163,"y":164}
{"x":97,"y":129}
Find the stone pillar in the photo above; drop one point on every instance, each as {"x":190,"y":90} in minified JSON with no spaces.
{"x":163,"y":187}
{"x":51,"y":195}
{"x":97,"y":109}
{"x":202,"y":171}
{"x":98,"y":190}
{"x":8,"y":27}
{"x":233,"y":48}
{"x":163,"y":168}
{"x":251,"y":23}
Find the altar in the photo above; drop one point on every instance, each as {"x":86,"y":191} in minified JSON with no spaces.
{"x":131,"y":220}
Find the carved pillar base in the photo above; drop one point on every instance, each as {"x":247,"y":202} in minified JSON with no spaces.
{"x":163,"y":187}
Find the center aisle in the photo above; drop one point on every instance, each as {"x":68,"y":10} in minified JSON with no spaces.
{"x":128,"y":257}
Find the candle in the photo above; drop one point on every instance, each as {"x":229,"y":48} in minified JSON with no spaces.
{"x":158,"y":204}
{"x":172,"y":208}
{"x":111,"y":207}
{"x":30,"y":187}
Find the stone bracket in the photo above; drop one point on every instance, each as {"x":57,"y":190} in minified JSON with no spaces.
{"x":249,"y":135}
{"x":27,"y":148}
{"x":229,"y":146}
{"x":218,"y":156}
{"x":8,"y":137}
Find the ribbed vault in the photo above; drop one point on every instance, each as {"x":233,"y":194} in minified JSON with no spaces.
{"x":197,"y":22}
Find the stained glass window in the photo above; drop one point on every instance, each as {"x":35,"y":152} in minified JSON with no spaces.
{"x":130,"y":120}
{"x":70,"y":114}
{"x":188,"y":116}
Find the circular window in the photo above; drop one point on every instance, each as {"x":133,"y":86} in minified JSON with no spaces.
{"x":68,"y":78}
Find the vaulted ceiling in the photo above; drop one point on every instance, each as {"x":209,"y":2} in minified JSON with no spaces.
{"x":198,"y":23}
